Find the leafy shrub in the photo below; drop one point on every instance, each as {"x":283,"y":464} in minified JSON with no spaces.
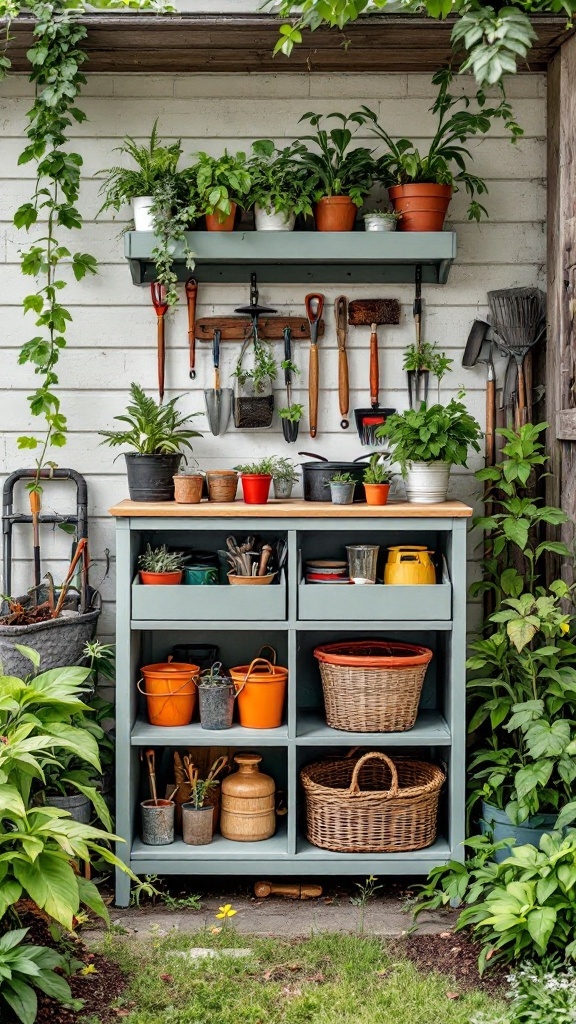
{"x":152,"y":429}
{"x":23,"y":968}
{"x":442,"y":433}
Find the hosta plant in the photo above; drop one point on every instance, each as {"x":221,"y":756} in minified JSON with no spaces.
{"x":432,"y":433}
{"x":25,"y":968}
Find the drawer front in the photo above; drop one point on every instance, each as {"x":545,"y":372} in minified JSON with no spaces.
{"x":203,"y":603}
{"x":392,"y":603}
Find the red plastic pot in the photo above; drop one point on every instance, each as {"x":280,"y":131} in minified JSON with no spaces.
{"x":256,"y":487}
{"x":423,"y":207}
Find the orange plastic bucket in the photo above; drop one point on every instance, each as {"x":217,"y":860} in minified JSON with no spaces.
{"x":170,"y":691}
{"x":261,"y":691}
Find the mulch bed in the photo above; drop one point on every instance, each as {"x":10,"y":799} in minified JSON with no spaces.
{"x":98,"y":989}
{"x":455,"y":955}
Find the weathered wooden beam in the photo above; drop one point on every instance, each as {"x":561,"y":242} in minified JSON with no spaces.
{"x":561,"y":348}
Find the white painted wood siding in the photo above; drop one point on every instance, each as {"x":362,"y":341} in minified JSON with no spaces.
{"x":113,"y":338}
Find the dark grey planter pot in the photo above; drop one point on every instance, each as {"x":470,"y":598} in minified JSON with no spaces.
{"x":498,"y":824}
{"x":79,"y":806}
{"x":150,"y":477}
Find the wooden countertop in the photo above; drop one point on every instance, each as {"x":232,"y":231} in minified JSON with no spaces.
{"x":294,"y":508}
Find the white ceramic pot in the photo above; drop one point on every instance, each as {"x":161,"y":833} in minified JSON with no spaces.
{"x":427,"y":482}
{"x":273,"y":221}
{"x":143,"y":220}
{"x":375,"y":223}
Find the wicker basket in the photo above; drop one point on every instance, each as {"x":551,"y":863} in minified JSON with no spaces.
{"x":372,"y":685}
{"x":371,"y":805}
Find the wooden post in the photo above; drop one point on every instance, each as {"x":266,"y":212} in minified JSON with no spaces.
{"x":561,"y":347}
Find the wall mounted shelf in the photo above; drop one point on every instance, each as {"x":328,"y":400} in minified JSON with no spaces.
{"x":302,"y":257}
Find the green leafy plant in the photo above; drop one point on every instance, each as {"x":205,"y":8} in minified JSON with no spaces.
{"x":494,"y":39}
{"x":221,"y":181}
{"x":155,"y":163}
{"x":285,"y":470}
{"x":293,"y":413}
{"x":262,"y":373}
{"x":539,"y":992}
{"x":524,"y":906}
{"x":376,"y":471}
{"x":152,"y":429}
{"x":265,"y":467}
{"x":337,"y":169}
{"x":341,"y":478}
{"x":447,"y":158}
{"x":280,"y":181}
{"x":24,"y":968}
{"x":366,"y":893}
{"x":162,"y":560}
{"x":432,"y":433}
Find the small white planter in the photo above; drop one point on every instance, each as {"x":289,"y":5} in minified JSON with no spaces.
{"x":427,"y":482}
{"x":143,"y":220}
{"x":376,"y":222}
{"x":273,"y":221}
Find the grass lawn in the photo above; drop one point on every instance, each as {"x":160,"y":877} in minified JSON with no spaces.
{"x":328,"y":979}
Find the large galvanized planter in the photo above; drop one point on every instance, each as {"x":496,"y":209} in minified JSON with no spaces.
{"x":58,"y":641}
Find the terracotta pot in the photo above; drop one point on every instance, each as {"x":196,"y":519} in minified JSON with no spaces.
{"x":256,"y":487}
{"x":335,"y":213}
{"x":377,"y":494}
{"x":188,"y":488}
{"x":423,"y":207}
{"x":214,"y":223}
{"x":222,"y":484}
{"x":161,"y":579}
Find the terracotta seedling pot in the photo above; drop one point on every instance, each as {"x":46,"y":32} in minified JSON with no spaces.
{"x":335,"y":213}
{"x":188,"y":488}
{"x":213,"y":222}
{"x":377,"y":494}
{"x":160,"y":579}
{"x":222,"y":484}
{"x":423,"y":207}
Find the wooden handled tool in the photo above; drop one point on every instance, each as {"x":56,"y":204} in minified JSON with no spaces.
{"x":264,"y":559}
{"x":158,"y":293}
{"x":341,"y":317}
{"x":314,"y":306}
{"x":191,"y":297}
{"x":293,"y":892}
{"x":151,"y":764}
{"x":373,"y":312}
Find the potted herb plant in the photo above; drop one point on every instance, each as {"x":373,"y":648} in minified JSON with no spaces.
{"x":160,"y":567}
{"x":284,"y":476}
{"x":342,"y":487}
{"x":197,"y":815}
{"x":377,"y":479}
{"x":343,"y":176}
{"x":381,"y":220}
{"x":157,"y":433}
{"x":419,"y":362}
{"x":420,"y":185}
{"x":254,"y":398}
{"x":281,"y":186}
{"x":216,"y":693}
{"x":256,"y":478}
{"x":155,"y":163}
{"x":427,"y":442}
{"x":223,"y":182}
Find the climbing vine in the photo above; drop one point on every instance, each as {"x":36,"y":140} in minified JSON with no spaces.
{"x":56,"y":59}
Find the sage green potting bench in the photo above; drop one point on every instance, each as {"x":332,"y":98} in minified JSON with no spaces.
{"x":294,"y":618}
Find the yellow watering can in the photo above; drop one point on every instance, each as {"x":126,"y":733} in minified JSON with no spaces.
{"x":409,"y":564}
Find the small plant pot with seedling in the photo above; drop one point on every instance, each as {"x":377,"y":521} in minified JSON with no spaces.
{"x":156,"y":433}
{"x":197,"y":815}
{"x":160,"y":567}
{"x":284,"y":476}
{"x":216,"y":694}
{"x":256,"y":479}
{"x":377,"y":481}
{"x":342,"y":487}
{"x":381,"y":220}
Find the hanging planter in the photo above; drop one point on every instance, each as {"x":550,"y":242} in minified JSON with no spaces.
{"x":253,"y":394}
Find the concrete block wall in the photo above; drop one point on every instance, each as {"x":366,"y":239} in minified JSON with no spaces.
{"x":112,"y":340}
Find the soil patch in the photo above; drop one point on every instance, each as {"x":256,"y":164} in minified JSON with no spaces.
{"x":455,"y":955}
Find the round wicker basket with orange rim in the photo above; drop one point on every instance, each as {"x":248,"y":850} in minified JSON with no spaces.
{"x":373,"y":805}
{"x":372,"y":685}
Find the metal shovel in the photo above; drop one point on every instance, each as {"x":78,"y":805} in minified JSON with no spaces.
{"x":218,"y":400}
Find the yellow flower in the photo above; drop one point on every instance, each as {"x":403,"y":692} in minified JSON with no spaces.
{"x":225,"y":912}
{"x":564,"y":627}
{"x":89,"y":969}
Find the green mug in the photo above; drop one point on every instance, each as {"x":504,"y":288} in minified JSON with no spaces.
{"x":201,"y":575}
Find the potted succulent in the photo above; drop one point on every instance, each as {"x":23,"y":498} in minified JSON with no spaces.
{"x":342,"y":487}
{"x":420,"y":185}
{"x":160,"y":567}
{"x":419,"y":362}
{"x":381,"y":220}
{"x":256,"y":478}
{"x":427,"y":442}
{"x":377,"y":479}
{"x":284,"y":476}
{"x":343,"y":176}
{"x":155,"y":163}
{"x":157,"y":433}
{"x":281,"y":186}
{"x":222,"y":182}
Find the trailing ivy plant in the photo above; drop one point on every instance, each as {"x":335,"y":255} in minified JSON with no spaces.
{"x":56,"y":59}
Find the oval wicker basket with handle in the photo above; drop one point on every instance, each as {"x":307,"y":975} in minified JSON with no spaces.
{"x":373,"y":805}
{"x":372,"y":685}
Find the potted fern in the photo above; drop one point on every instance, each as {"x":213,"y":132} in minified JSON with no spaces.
{"x":281,"y":186}
{"x":156,"y":433}
{"x":155,"y":163}
{"x":427,"y":442}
